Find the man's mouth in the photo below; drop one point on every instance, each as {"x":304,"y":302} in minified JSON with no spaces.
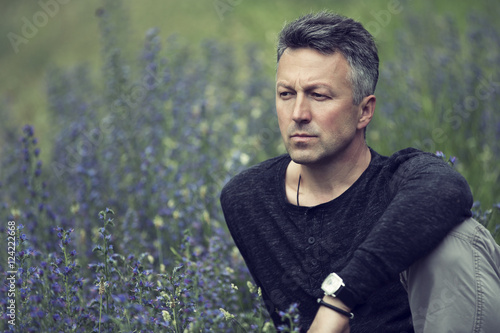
{"x":303,"y":135}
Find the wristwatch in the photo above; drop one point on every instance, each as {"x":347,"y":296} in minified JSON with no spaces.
{"x":334,"y":286}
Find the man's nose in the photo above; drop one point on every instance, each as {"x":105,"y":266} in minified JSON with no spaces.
{"x":301,"y":110}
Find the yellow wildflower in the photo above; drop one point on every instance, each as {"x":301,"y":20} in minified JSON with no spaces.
{"x":166,"y":315}
{"x":206,"y":216}
{"x":244,"y":159}
{"x":158,"y":221}
{"x":226,"y":314}
{"x":203,"y":191}
{"x":267,"y":327}
{"x":251,"y":287}
{"x":16,"y":213}
{"x":171,"y":203}
{"x":75,"y":208}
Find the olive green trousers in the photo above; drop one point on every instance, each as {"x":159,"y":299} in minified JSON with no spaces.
{"x":456,"y":288}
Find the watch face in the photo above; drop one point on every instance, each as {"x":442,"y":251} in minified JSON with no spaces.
{"x":331,"y":284}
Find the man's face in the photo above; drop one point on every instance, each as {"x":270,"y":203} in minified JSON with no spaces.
{"x":314,"y":102}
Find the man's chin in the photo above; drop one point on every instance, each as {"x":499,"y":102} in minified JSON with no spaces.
{"x":303,"y":158}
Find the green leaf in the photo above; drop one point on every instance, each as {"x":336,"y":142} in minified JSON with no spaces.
{"x":175,"y":253}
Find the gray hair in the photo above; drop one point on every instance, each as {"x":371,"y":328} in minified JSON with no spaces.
{"x":327,"y":33}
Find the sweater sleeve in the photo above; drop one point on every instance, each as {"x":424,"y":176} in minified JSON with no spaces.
{"x":230,"y":204}
{"x":427,"y":199}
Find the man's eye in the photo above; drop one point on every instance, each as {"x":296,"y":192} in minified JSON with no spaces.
{"x":319,"y":96}
{"x":285,"y":94}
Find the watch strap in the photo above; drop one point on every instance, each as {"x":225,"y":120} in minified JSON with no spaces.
{"x":348,"y":314}
{"x":346,"y":296}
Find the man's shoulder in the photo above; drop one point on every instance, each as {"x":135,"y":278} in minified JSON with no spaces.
{"x":257,"y":176}
{"x":409,"y":158}
{"x":263,"y":171}
{"x":422,"y":169}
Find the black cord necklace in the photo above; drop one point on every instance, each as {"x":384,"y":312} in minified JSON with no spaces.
{"x":298,"y":187}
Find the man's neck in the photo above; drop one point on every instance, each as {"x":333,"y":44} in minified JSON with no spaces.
{"x":320,"y":183}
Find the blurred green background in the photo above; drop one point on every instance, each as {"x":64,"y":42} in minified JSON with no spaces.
{"x":71,"y":35}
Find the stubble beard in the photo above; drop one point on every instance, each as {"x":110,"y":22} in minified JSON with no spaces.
{"x":304,"y":154}
{"x":315,"y":154}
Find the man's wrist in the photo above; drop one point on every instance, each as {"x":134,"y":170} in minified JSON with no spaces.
{"x":337,"y":309}
{"x":336,"y":302}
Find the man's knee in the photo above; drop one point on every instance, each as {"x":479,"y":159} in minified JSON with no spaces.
{"x":457,"y":284}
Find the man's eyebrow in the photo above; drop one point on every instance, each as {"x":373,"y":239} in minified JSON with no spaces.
{"x":283,"y":84}
{"x":307,"y":87}
{"x":318,"y":85}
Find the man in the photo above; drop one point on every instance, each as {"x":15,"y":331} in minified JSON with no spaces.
{"x":332,"y":224}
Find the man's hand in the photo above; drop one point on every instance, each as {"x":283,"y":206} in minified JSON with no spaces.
{"x":329,"y":321}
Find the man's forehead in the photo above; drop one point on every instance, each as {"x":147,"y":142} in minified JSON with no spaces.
{"x":311,"y":57}
{"x":310,"y":65}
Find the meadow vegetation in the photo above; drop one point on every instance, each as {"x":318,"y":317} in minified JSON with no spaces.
{"x":117,"y":220}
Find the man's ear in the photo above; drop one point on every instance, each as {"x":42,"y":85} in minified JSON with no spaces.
{"x":366,"y":111}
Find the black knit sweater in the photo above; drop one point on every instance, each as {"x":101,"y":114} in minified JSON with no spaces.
{"x":398,"y":210}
